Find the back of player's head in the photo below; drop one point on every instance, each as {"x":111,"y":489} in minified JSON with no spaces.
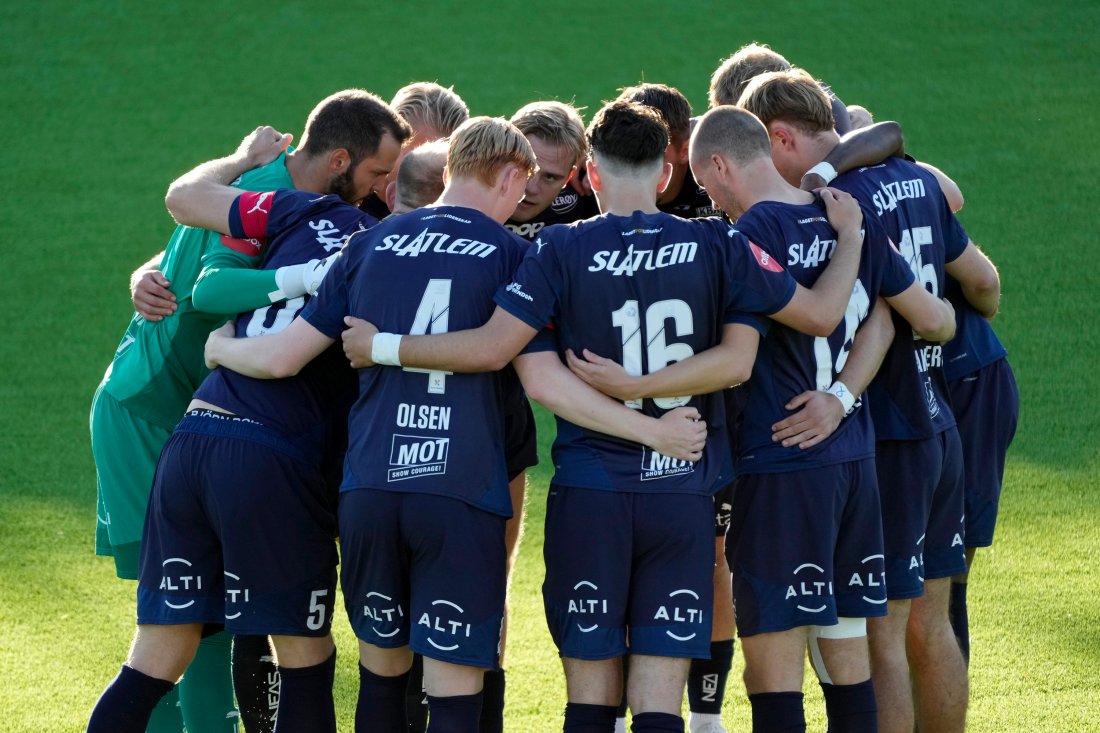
{"x":790,"y":96}
{"x":627,"y":138}
{"x":420,"y":177}
{"x":556,"y":124}
{"x":673,"y":106}
{"x":354,"y":120}
{"x":431,"y":108}
{"x":482,"y":146}
{"x":729,"y":80}
{"x":731,"y":132}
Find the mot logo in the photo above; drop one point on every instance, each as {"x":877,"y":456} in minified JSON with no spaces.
{"x":655,"y":465}
{"x":417,"y":455}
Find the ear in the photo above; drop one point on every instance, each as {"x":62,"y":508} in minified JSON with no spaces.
{"x":339,"y":160}
{"x":508,"y":177}
{"x":782,"y":137}
{"x":391,"y":194}
{"x":666,"y":176}
{"x":593,"y":169}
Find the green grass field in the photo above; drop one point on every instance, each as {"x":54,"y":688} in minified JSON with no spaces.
{"x":105,"y":103}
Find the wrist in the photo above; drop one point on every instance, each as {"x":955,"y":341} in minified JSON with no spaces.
{"x":847,"y":399}
{"x":385,"y":349}
{"x":824,"y":169}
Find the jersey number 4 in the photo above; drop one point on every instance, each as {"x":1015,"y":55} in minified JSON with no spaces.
{"x":431,"y":317}
{"x":659,"y":353}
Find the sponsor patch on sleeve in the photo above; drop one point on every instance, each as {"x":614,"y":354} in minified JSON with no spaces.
{"x":764,"y":259}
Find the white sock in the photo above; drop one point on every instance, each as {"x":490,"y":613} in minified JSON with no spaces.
{"x":620,"y":725}
{"x":698,"y":720}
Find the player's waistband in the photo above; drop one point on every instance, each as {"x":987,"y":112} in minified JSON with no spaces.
{"x":224,"y":425}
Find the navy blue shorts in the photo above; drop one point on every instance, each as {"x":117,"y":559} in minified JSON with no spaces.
{"x":986,"y":406}
{"x":922,"y":511}
{"x":624,"y":561}
{"x":805,"y":548}
{"x":521,"y":447}
{"x":424,"y":571}
{"x":723,"y":505}
{"x":239,"y":531}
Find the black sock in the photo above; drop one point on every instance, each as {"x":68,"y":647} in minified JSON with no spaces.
{"x":381,"y":702}
{"x":256,"y":683}
{"x":127,"y":703}
{"x":706,"y":684}
{"x":416,"y":700}
{"x":851,"y":708}
{"x":960,"y":621}
{"x":455,"y":714}
{"x":580,"y":718}
{"x":305,"y":698}
{"x":620,"y":712}
{"x":492,"y":702}
{"x":778,"y":712}
{"x":657,"y":723}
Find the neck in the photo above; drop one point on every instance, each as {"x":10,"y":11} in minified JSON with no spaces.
{"x":760,"y":181}
{"x":675,"y":185}
{"x":308,"y":174}
{"x":819,"y":147}
{"x":472,"y":194}
{"x":627,"y":196}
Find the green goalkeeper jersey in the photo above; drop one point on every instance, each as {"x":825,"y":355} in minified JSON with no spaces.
{"x":158,"y":365}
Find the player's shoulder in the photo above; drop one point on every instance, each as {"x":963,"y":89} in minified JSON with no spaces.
{"x":266,"y":177}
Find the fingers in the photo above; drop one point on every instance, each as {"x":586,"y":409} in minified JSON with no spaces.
{"x":595,"y":358}
{"x":352,"y":321}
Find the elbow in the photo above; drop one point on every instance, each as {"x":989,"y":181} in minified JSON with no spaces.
{"x":174,"y":200}
{"x":819,"y":326}
{"x":281,"y":366}
{"x":939,"y":329}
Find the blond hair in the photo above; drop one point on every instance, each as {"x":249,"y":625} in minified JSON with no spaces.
{"x":482,"y":146}
{"x":555,"y":123}
{"x":790,"y":96}
{"x":730,"y":79}
{"x":426,"y":105}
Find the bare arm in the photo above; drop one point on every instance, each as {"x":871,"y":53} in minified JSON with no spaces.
{"x":274,"y":356}
{"x":865,"y":146}
{"x":202,"y":197}
{"x":679,"y":433}
{"x":931,"y":317}
{"x":487,"y":348}
{"x":818,"y":310}
{"x":725,"y":365}
{"x":818,"y":412}
{"x":951,"y":190}
{"x":981,"y":285}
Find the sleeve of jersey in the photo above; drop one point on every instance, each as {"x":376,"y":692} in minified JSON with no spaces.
{"x":230,"y":283}
{"x":532,"y":295}
{"x":897,"y":276}
{"x":544,"y":340}
{"x":759,"y":283}
{"x":325,"y":311}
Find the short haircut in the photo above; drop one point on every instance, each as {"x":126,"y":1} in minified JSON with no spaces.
{"x":427,"y":105}
{"x":354,"y":120}
{"x":789,"y":96}
{"x":482,"y":146}
{"x":555,"y":123}
{"x":420,"y":177}
{"x":732,"y":133}
{"x":628,"y":136}
{"x":673,"y":106}
{"x":729,"y":80}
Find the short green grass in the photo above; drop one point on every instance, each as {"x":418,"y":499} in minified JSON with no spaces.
{"x":104,"y":103}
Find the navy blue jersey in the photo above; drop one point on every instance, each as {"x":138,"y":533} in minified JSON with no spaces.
{"x":290,"y":227}
{"x":566,"y":208}
{"x":693,"y":201}
{"x":975,"y":344}
{"x":909,"y":397}
{"x":431,"y":270}
{"x":645,"y":290}
{"x":790,"y":362}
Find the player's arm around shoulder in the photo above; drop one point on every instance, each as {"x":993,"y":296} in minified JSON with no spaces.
{"x":978,"y":277}
{"x":203,"y":198}
{"x":274,"y":356}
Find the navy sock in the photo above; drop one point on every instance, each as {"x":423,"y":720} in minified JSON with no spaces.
{"x":305,"y":698}
{"x":706,"y":684}
{"x":580,"y":718}
{"x":127,"y":703}
{"x":960,"y":621}
{"x":851,"y":708}
{"x":381,"y":702}
{"x":492,"y":702}
{"x":620,"y":712}
{"x":416,"y":701}
{"x":455,"y":714}
{"x":778,"y":712}
{"x":256,"y":682}
{"x":657,"y":723}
